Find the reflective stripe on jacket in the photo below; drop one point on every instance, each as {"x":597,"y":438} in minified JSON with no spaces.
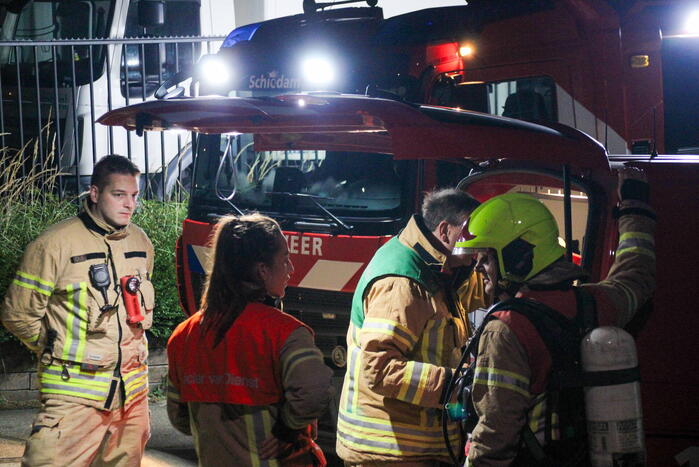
{"x":52,"y":291}
{"x":229,"y":434}
{"x":401,"y":351}
{"x":514,"y":363}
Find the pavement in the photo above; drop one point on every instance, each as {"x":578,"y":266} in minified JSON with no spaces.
{"x":167,"y":446}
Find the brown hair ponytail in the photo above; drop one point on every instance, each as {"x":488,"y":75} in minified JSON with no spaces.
{"x":239,"y":244}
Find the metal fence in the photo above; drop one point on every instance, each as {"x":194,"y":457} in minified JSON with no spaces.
{"x":53,"y":91}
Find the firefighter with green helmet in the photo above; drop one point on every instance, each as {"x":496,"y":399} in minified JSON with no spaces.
{"x":523,"y":411}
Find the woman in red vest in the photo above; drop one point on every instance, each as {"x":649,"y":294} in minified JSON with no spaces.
{"x":245,"y":379}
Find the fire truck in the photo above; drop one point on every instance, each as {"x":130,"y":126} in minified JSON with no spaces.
{"x":295,"y":167}
{"x":343,"y":174}
{"x":624,"y":72}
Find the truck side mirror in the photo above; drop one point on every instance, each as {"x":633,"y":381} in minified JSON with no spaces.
{"x":151,"y":13}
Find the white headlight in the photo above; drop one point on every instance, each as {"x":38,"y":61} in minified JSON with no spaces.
{"x":318,"y":70}
{"x":691,"y":25}
{"x":214,"y":71}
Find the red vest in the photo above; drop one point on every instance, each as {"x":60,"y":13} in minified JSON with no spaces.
{"x":244,"y":368}
{"x":564,"y":302}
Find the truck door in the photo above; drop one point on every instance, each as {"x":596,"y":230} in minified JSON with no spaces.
{"x":586,"y":199}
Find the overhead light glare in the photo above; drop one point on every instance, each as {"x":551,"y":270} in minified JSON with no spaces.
{"x":214,"y":71}
{"x":691,"y":25}
{"x":467,"y":50}
{"x":318,"y":70}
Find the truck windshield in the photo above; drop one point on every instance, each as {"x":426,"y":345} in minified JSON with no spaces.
{"x":351,"y":185}
{"x":52,"y":20}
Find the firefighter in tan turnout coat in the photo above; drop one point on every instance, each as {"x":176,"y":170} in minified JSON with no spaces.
{"x":403,"y":341}
{"x":67,"y":305}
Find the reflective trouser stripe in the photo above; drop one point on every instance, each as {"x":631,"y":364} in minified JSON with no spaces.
{"x":383,"y":437}
{"x":30,"y":282}
{"x":135,"y":383}
{"x":258,"y":425}
{"x":86,"y":384}
{"x":76,"y":322}
{"x":501,"y":378}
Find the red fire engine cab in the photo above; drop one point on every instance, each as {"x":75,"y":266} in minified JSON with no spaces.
{"x":289,"y":156}
{"x":622,"y":71}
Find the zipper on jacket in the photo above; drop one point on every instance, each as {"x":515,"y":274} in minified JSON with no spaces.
{"x":117,"y":369}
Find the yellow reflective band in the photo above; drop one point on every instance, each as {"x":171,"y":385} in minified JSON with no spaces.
{"x":354,"y":371}
{"x":252,"y":442}
{"x":392,"y":441}
{"x":84,"y":384}
{"x":425,"y":347}
{"x":135,"y":383}
{"x":32,"y":341}
{"x":536,"y":413}
{"x":258,"y":423}
{"x":390,"y":328}
{"x":636,"y":249}
{"x":405,"y":382}
{"x":413,"y":383}
{"x":414,"y":438}
{"x":433,"y":341}
{"x":30,"y":282}
{"x":640,"y":235}
{"x":41,"y":281}
{"x":555,"y":430}
{"x":76,"y":322}
{"x":357,"y":419}
{"x":493,"y":377}
{"x":354,"y":334}
{"x":299,"y":356}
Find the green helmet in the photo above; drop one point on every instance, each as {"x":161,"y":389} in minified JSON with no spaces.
{"x":520,"y":229}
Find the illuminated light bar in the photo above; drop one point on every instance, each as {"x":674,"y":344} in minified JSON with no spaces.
{"x":467,"y":50}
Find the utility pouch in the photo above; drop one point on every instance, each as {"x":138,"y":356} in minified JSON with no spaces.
{"x":147,"y":298}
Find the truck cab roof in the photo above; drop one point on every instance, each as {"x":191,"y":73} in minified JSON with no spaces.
{"x":335,"y":121}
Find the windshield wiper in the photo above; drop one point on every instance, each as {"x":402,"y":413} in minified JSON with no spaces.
{"x":219,"y":195}
{"x":314,"y":199}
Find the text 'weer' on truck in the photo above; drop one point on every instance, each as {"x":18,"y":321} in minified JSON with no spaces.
{"x":343,"y":173}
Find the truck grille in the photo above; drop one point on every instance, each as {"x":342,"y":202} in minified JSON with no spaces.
{"x":327,"y":313}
